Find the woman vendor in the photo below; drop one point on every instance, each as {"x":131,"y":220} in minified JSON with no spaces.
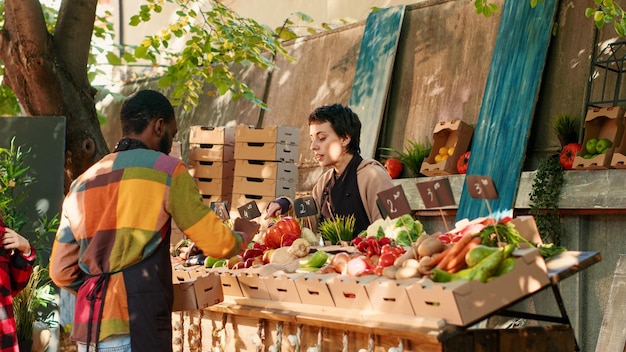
{"x":351,"y":183}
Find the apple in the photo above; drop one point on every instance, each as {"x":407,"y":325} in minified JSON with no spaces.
{"x":590,"y":146}
{"x":602,"y":145}
{"x":568,"y":154}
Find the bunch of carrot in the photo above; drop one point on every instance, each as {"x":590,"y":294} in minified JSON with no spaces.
{"x":452,"y":259}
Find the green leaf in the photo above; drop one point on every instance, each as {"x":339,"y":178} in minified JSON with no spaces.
{"x":140,"y":51}
{"x":113,"y":59}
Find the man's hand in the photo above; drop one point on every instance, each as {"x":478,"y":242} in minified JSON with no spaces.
{"x":250,"y":228}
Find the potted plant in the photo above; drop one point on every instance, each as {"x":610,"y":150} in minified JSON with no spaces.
{"x":33,"y":304}
{"x":412,"y":157}
{"x":566,"y":127}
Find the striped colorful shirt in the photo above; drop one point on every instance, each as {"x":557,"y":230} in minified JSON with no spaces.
{"x":116,"y":219}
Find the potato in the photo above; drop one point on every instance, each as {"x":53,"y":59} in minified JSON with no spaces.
{"x":409,"y":254}
{"x":430,"y":247}
{"x":411,"y":263}
{"x":390,"y":271}
{"x":406,"y":272}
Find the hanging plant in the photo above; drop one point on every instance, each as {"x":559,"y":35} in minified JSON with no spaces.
{"x":544,"y":199}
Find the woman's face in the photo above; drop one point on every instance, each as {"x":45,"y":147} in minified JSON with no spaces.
{"x":326,"y":145}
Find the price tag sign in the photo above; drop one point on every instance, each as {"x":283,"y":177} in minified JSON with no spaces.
{"x":305,"y":206}
{"x":394,"y":202}
{"x":481,"y":187}
{"x":249,"y":211}
{"x":221,"y":210}
{"x":436,"y":193}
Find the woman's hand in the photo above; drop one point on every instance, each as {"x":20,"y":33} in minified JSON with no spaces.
{"x":13,"y":240}
{"x":273,"y":210}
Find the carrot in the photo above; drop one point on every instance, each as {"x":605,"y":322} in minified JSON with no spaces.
{"x":454,"y":251}
{"x":458,"y":262}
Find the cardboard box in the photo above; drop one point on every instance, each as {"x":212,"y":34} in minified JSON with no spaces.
{"x":282,"y":287}
{"x":214,"y":186}
{"x":243,"y":199}
{"x":264,"y":187}
{"x":463,"y":303}
{"x":230,"y":284}
{"x":252,"y":285}
{"x":198,"y":292}
{"x":605,"y":122}
{"x":456,"y":134}
{"x":313,"y":289}
{"x":390,"y":296}
{"x":211,"y":169}
{"x":266,"y":151}
{"x":268,"y":134}
{"x":211,"y":152}
{"x":208,"y":198}
{"x":212,"y":135}
{"x":350,"y":292}
{"x":266,"y":169}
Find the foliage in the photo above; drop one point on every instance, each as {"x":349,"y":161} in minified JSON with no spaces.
{"x":339,"y":229}
{"x":29,"y":303}
{"x":216,"y":39}
{"x":565,"y":127}
{"x":412,"y":157}
{"x":13,"y":177}
{"x":608,"y":11}
{"x":544,"y":198}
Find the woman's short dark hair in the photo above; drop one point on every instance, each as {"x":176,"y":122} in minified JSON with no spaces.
{"x":343,"y":121}
{"x":142,"y":107}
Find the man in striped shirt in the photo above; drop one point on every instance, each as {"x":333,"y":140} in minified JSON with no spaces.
{"x":112,"y":246}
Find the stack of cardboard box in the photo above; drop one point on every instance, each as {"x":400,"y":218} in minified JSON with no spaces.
{"x":265,"y":164}
{"x":211,"y":161}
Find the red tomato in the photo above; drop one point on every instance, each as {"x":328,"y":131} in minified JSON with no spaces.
{"x":275,"y":235}
{"x":394,"y":167}
{"x":386,"y":259}
{"x":568,"y":154}
{"x":463,"y":162}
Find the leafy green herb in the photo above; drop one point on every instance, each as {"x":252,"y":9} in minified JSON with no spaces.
{"x":337,"y":230}
{"x":412,"y":158}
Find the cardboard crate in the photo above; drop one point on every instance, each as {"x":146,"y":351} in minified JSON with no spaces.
{"x":212,"y":135}
{"x":313,"y":289}
{"x":390,"y":296}
{"x":463,"y":303}
{"x":456,"y":134}
{"x":252,"y":285}
{"x":350,"y":292}
{"x":198,"y":292}
{"x":211,"y":169}
{"x":264,"y":187}
{"x":605,"y":122}
{"x":214,"y":186}
{"x":266,"y":169}
{"x":208,"y":199}
{"x":268,"y":134}
{"x":266,"y":151}
{"x":282,"y":287}
{"x":230,"y":284}
{"x":211,"y":152}
{"x":243,"y":199}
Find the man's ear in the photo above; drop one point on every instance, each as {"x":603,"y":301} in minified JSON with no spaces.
{"x":159,"y":126}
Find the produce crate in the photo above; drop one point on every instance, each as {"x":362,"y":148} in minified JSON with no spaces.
{"x":282,"y":287}
{"x":212,"y":135}
{"x":313,"y":289}
{"x":211,"y":152}
{"x":464,"y":302}
{"x":217,"y":186}
{"x":196,"y":290}
{"x":240,"y":199}
{"x":252,"y":285}
{"x":390,"y":296}
{"x":268,"y":134}
{"x":212,"y":169}
{"x":350,"y":292}
{"x":266,"y":169}
{"x":209,"y":198}
{"x":455,"y":134}
{"x":607,"y":123}
{"x":266,"y":151}
{"x":264,"y":186}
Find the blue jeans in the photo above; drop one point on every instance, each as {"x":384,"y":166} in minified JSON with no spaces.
{"x":115,"y":343}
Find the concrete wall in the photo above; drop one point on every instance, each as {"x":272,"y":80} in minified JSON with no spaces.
{"x":440,"y":73}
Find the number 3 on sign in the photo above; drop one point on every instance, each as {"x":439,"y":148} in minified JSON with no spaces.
{"x":481,"y":187}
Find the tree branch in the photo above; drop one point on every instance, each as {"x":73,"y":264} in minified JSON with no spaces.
{"x":72,"y":37}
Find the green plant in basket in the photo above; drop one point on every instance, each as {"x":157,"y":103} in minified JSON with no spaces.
{"x":336,"y":230}
{"x":412,"y":157}
{"x":566,"y":127}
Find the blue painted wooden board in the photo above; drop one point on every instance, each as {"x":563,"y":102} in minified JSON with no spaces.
{"x":373,"y":73}
{"x":501,"y":134}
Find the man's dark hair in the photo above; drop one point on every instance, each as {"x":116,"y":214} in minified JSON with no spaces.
{"x":343,"y":121}
{"x":142,"y":107}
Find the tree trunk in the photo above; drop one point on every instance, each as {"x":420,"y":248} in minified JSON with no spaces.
{"x":48,"y":73}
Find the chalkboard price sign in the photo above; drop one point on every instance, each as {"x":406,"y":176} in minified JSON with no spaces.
{"x":305,"y":206}
{"x":436,"y":193}
{"x":249,"y":211}
{"x":221,"y":210}
{"x":394,"y":202}
{"x":481,"y":187}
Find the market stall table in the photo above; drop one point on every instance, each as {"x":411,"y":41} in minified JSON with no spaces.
{"x":246,"y":324}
